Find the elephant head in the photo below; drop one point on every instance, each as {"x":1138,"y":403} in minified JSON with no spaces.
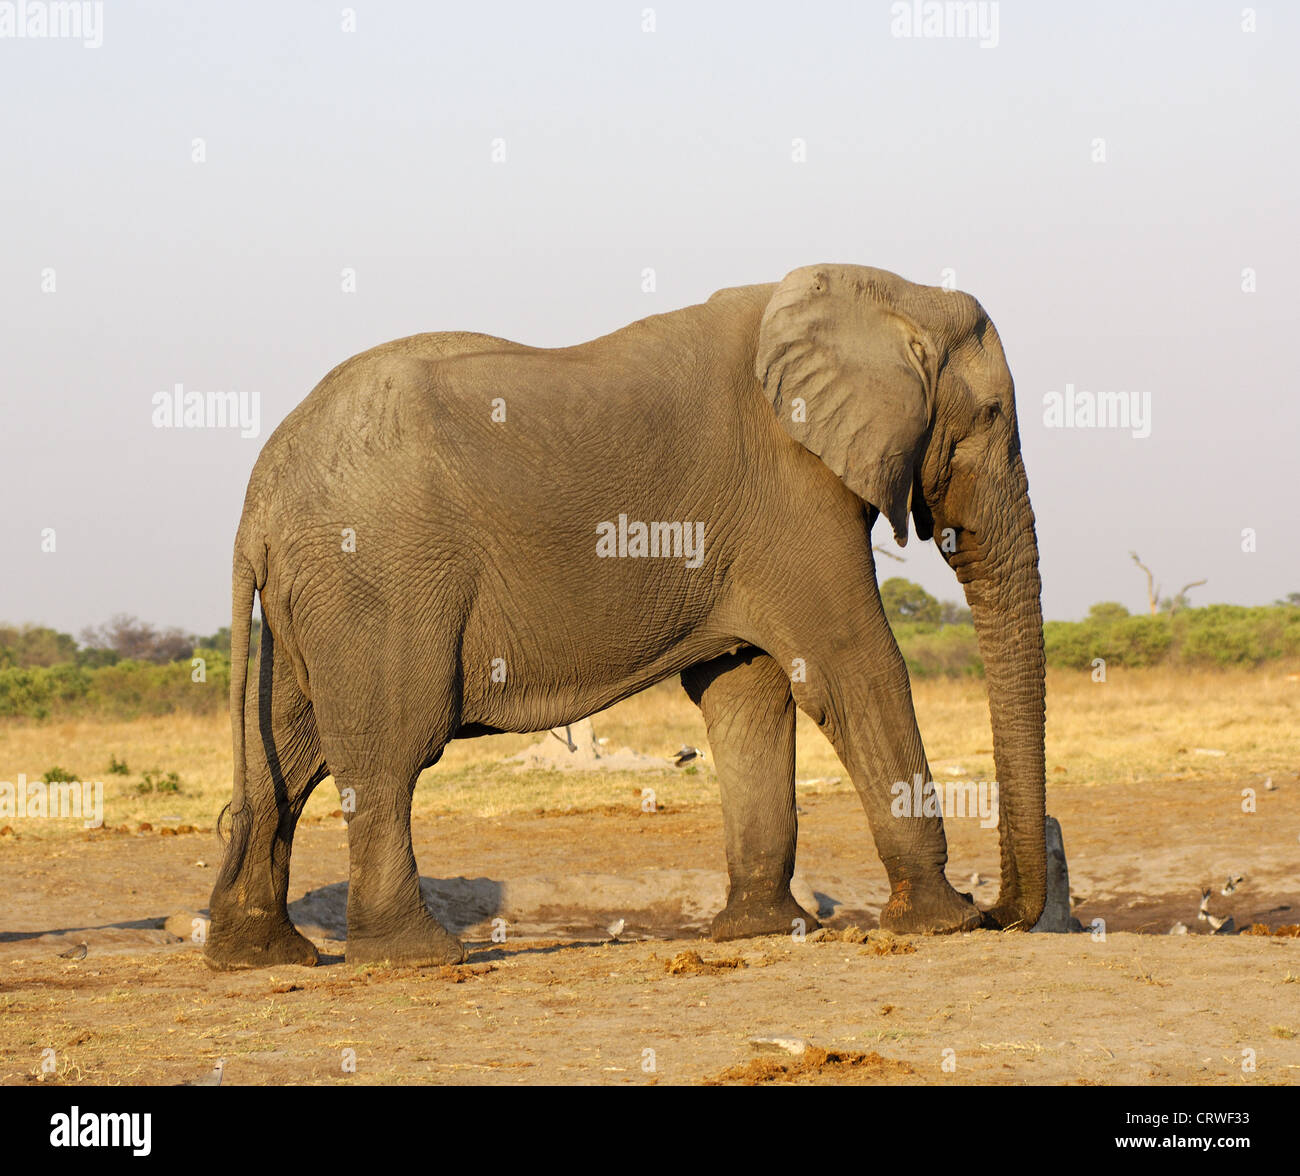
{"x":904,"y":392}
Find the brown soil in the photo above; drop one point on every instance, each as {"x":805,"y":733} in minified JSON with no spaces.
{"x":558,"y":1001}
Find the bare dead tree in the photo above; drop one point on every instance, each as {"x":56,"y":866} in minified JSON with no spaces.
{"x":882,"y":551}
{"x":1181,"y":601}
{"x":1153,"y":591}
{"x":1154,"y":601}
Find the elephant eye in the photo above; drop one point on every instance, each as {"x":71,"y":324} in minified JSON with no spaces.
{"x":990,"y":413}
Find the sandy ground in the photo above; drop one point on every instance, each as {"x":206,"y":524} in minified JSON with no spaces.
{"x":556,"y":1002}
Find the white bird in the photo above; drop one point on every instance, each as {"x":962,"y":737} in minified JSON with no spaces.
{"x":1269,"y":786}
{"x":1217,"y":926}
{"x":615,"y":929}
{"x":687,"y":755}
{"x":1234,"y":880}
{"x":1179,"y":928}
{"x":976,"y":880}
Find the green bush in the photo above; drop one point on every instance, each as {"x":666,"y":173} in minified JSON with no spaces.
{"x":155,"y":781}
{"x":59,"y":776}
{"x":932,"y":651}
{"x":123,"y":690}
{"x":1217,"y":635}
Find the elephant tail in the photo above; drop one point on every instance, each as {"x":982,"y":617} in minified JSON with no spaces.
{"x":243,"y":587}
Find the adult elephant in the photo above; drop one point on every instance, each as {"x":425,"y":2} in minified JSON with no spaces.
{"x":456,"y":535}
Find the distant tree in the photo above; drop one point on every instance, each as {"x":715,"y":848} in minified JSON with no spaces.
{"x":952,"y":613}
{"x":1291,"y":598}
{"x":1107,"y":610}
{"x":905,"y":601}
{"x":27,"y":646}
{"x":219,"y":640}
{"x":1172,"y":604}
{"x":132,"y":639}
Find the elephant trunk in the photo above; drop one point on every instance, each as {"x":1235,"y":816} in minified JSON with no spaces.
{"x":1004,"y":597}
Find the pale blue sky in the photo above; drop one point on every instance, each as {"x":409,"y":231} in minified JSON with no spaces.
{"x":628,"y":150}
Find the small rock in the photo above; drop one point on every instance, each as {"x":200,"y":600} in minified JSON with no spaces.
{"x":1056,"y":916}
{"x":185,"y":924}
{"x":794,"y":1046}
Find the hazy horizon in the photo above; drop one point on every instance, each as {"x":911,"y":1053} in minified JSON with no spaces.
{"x":727,"y":146}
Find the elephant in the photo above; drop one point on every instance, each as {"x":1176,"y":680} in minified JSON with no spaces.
{"x":455,"y":535}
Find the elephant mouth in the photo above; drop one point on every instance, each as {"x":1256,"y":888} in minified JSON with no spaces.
{"x":968,"y":556}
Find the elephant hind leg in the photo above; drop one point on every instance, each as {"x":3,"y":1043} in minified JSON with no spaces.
{"x":746,"y":702}
{"x":376,"y":753}
{"x":250,"y":925}
{"x":387,"y":917}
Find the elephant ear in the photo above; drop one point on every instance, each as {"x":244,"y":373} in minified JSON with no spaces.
{"x":852,"y":379}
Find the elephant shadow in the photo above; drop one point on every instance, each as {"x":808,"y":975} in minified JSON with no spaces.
{"x":457,"y":903}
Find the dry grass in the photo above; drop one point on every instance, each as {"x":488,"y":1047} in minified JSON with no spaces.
{"x":1140,"y":725}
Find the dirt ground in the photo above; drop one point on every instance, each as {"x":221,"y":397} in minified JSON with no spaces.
{"x":556,"y":1002}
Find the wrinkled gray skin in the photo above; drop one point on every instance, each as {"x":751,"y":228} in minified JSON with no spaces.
{"x":784,"y":417}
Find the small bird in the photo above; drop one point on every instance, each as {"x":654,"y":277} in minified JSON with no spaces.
{"x":1217,"y":926}
{"x":976,"y":880}
{"x":1269,"y":786}
{"x":615,"y":929}
{"x":1179,"y":928}
{"x":1234,"y":880}
{"x":75,"y":953}
{"x":213,"y":1078}
{"x":687,"y":755}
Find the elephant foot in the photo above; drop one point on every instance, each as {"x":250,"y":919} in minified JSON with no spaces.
{"x":1011,"y":915}
{"x":746,"y":918}
{"x":427,"y":944}
{"x":248,"y":942}
{"x":935,"y":909}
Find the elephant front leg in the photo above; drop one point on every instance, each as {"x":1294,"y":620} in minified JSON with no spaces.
{"x":747,"y":706}
{"x":870,"y":720}
{"x":387,"y":918}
